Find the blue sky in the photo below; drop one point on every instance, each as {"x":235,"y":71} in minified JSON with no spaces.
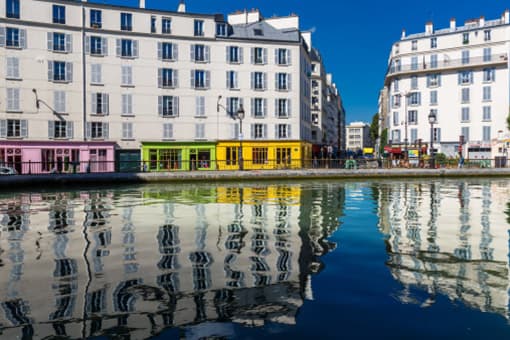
{"x":354,"y":37}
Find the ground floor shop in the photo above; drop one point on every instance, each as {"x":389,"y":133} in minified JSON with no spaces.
{"x":171,"y":156}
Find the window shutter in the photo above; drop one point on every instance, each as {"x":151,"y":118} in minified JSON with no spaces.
{"x":87,"y":44}
{"x":419,"y":98}
{"x":289,"y":57}
{"x":227,"y":53}
{"x":2,"y":36}
{"x":276,"y":81}
{"x":69,"y":72}
{"x":265,"y":130}
{"x":252,"y":105}
{"x":51,"y":129}
{"x":160,"y":50}
{"x":264,"y":80}
{"x":241,"y":57}
{"x":207,"y":52}
{"x":241,"y":102}
{"x":252,"y":80}
{"x":93,"y":103}
{"x":135,"y":48}
{"x":265,"y":55}
{"x":105,"y":106}
{"x":50,"y":70}
{"x":175,"y":51}
{"x":160,"y":105}
{"x":252,"y":131}
{"x":104,"y":46}
{"x":289,"y":108}
{"x":49,"y":39}
{"x":493,"y":74}
{"x":88,"y":130}
{"x":207,"y":79}
{"x":160,"y":77}
{"x":23,"y":38}
{"x":252,"y":56}
{"x":289,"y":134}
{"x":276,"y":127}
{"x":3,"y":128}
{"x":428,"y":80}
{"x":264,"y":107}
{"x":69,"y":43}
{"x":192,"y":52}
{"x":289,"y":82}
{"x":236,"y":80}
{"x":118,"y":47}
{"x":228,"y":79}
{"x":459,"y":78}
{"x":192,"y":79}
{"x":106,"y":132}
{"x":439,"y":80}
{"x":276,"y":107}
{"x":175,"y":78}
{"x":276,"y":56}
{"x":176,"y":106}
{"x":471,"y":77}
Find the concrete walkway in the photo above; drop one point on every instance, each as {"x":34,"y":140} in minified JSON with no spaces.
{"x":62,"y":180}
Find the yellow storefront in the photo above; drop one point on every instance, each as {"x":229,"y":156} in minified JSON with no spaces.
{"x":258,"y":155}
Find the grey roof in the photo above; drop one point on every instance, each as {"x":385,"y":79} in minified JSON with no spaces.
{"x":267,"y":31}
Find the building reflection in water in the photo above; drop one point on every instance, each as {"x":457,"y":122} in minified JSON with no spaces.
{"x":133,"y":263}
{"x":444,"y":238}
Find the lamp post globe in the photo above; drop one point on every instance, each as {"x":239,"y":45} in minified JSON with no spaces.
{"x":432,"y":121}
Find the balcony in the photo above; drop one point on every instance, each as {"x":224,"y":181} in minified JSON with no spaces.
{"x":448,"y":64}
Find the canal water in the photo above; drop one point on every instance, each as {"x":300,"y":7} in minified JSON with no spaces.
{"x":345,"y":259}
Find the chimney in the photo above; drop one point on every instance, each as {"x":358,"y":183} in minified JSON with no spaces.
{"x":429,"y":27}
{"x":403,"y":34}
{"x":481,"y":22}
{"x":142,"y":3}
{"x":453,"y":24}
{"x":182,"y":7}
{"x":506,"y":17}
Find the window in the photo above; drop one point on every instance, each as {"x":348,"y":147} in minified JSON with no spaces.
{"x":414,"y":135}
{"x":396,"y":118}
{"x":14,"y":37}
{"x":127,"y":48}
{"x":12,"y":9}
{"x":96,"y":20}
{"x":153,"y":24}
{"x":395,"y":101}
{"x":59,"y":14}
{"x":199,"y":28}
{"x":396,"y":85}
{"x":59,"y":101}
{"x":60,"y":129}
{"x":166,"y":25}
{"x":395,"y":134}
{"x":282,"y":107}
{"x":167,"y":51}
{"x":200,"y":131}
{"x":433,"y":97}
{"x":258,"y":81}
{"x":259,"y":131}
{"x":486,"y":134}
{"x":465,"y":38}
{"x":489,"y":75}
{"x":434,"y":80}
{"x":168,"y":131}
{"x":414,"y":63}
{"x":168,"y":106}
{"x":465,"y":95}
{"x":465,"y":77}
{"x":487,"y":35}
{"x":486,"y":93}
{"x":232,"y":80}
{"x":200,"y":106}
{"x":433,"y":42}
{"x":13,"y":128}
{"x":127,"y":130}
{"x":412,"y":117}
{"x":99,"y":103}
{"x":97,"y":130}
{"x":486,"y":113}
{"x":12,"y":68}
{"x":258,"y":107}
{"x":200,"y":53}
{"x":433,"y":61}
{"x":233,"y":104}
{"x":414,"y":45}
{"x":464,"y":131}
{"x":258,"y":56}
{"x":200,"y":79}
{"x":96,"y":76}
{"x":59,"y":42}
{"x":283,"y":81}
{"x":127,"y":104}
{"x":487,"y":54}
{"x":437,"y":134}
{"x":414,"y":82}
{"x":465,"y":116}
{"x":465,"y":57}
{"x":127,"y":75}
{"x":282,"y":131}
{"x":415,"y":98}
{"x":167,"y":78}
{"x":96,"y":46}
{"x":234,"y":54}
{"x":282,"y":56}
{"x":126,"y":21}
{"x":221,"y":29}
{"x":60,"y":71}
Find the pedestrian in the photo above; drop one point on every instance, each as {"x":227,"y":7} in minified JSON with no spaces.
{"x":461,"y":161}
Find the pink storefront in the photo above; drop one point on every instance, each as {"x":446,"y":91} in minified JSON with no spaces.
{"x":62,"y":157}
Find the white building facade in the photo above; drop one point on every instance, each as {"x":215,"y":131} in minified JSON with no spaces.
{"x":460,"y":75}
{"x":358,"y":136}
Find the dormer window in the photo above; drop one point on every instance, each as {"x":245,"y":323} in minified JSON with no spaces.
{"x":221,"y":30}
{"x":258,"y":32}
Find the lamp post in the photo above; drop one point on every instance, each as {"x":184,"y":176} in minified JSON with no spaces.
{"x":240,"y":115}
{"x":432,"y":121}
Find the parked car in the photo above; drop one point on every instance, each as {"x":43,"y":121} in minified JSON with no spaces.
{"x":5,"y":170}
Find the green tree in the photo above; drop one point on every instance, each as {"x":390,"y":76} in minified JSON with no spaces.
{"x":384,"y":141}
{"x":374,"y":128}
{"x":508,"y":120}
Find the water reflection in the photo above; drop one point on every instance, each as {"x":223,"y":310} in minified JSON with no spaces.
{"x":448,"y":238}
{"x":134,"y":262}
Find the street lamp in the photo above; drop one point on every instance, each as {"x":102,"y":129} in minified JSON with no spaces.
{"x":406,"y":140}
{"x":38,"y":103}
{"x":240,"y":115}
{"x":432,"y":121}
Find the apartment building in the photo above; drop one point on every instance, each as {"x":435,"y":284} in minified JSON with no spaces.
{"x":86,"y":82}
{"x":457,"y":75}
{"x":358,"y":136}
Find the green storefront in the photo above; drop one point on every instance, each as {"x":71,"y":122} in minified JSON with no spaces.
{"x":164,"y":156}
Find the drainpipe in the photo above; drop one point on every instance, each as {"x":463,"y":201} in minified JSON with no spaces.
{"x":84,"y":74}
